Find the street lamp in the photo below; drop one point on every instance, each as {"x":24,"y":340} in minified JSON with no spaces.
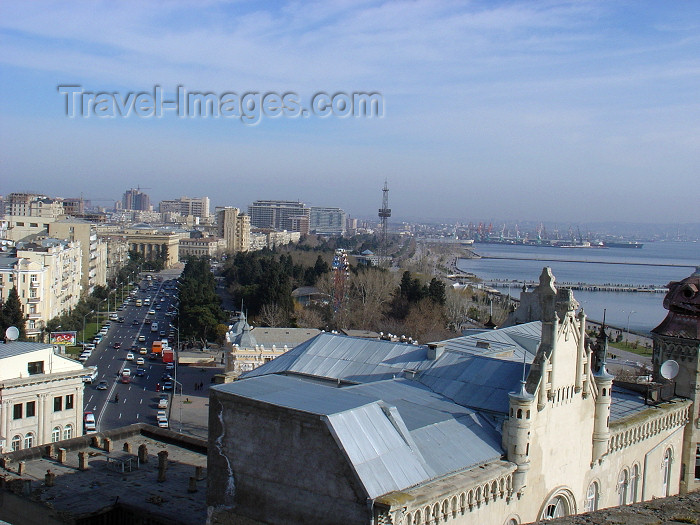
{"x":628,"y":325}
{"x":90,"y":312}
{"x":178,"y":383}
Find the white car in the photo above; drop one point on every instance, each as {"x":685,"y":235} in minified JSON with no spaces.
{"x":163,"y":423}
{"x":126,"y":372}
{"x":129,"y":356}
{"x":161,"y":415}
{"x":140,"y":361}
{"x":163,"y":402}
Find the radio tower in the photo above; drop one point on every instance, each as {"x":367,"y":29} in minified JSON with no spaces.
{"x":384,"y":214}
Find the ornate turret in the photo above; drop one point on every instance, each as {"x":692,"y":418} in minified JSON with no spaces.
{"x":517,"y":434}
{"x":678,"y":338}
{"x":603,"y":381}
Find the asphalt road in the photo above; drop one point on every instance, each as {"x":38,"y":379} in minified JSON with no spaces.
{"x":137,"y":399}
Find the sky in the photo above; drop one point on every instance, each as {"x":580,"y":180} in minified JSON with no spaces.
{"x":545,"y":111}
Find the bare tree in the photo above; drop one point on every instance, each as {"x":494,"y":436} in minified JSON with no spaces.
{"x":273,"y":315}
{"x":370,"y":291}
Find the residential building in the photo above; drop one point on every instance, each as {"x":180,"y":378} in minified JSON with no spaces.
{"x":351,"y":226}
{"x":33,"y":205}
{"x":327,"y":221}
{"x":277,"y":214}
{"x":211,"y":247}
{"x":234,"y":227}
{"x":195,"y":206}
{"x":41,"y":396}
{"x":117,"y":252}
{"x":94,"y":251}
{"x":135,"y":199}
{"x":47,"y":278}
{"x":507,"y":426}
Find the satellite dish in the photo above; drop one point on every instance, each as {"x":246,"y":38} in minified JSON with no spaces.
{"x":12,"y":333}
{"x":669,"y":369}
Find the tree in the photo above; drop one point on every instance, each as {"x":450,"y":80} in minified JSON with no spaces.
{"x":272,"y":314}
{"x":13,"y":315}
{"x":436,"y":291}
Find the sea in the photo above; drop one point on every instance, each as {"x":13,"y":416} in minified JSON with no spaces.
{"x":655,"y":264}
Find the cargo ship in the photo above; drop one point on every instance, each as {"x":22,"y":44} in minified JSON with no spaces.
{"x":624,"y":244}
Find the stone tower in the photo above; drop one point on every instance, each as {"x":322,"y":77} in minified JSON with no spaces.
{"x":678,"y":338}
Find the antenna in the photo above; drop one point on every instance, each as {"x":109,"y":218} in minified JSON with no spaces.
{"x":12,"y":333}
{"x":669,"y":369}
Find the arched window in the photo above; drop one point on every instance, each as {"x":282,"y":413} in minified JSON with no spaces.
{"x":592,"y":497}
{"x":55,"y":434}
{"x":623,"y":482}
{"x":557,"y":507}
{"x":634,"y":484}
{"x":68,"y":431}
{"x":16,"y":443}
{"x":29,"y":440}
{"x":666,"y":472}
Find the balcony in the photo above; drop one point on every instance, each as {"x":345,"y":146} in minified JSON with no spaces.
{"x":34,"y":300}
{"x":35,"y":284}
{"x":34,"y":316}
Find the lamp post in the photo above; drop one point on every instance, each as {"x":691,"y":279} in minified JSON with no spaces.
{"x":628,"y":325}
{"x":98,"y":310}
{"x":178,"y":383}
{"x":90,"y":312}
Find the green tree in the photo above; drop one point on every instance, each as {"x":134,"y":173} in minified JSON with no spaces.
{"x":13,"y":315}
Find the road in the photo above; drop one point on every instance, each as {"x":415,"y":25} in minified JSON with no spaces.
{"x":137,"y":401}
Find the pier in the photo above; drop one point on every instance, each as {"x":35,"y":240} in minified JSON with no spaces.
{"x":544,"y":259}
{"x":588,"y":287}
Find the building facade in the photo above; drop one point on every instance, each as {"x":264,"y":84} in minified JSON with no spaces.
{"x":195,"y":206}
{"x":41,"y":396}
{"x":153,"y":244}
{"x":503,"y":427}
{"x":234,"y":227}
{"x":277,"y":215}
{"x":94,"y":251}
{"x":327,"y":221}
{"x":211,"y":247}
{"x":135,"y":199}
{"x":47,"y":279}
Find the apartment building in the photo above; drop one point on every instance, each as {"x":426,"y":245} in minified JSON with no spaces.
{"x":279,"y":215}
{"x":327,"y":221}
{"x":94,"y":251}
{"x":234,"y":227}
{"x":195,"y":206}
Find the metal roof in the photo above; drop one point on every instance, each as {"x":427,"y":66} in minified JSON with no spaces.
{"x":625,"y":402}
{"x":346,"y":358}
{"x":21,"y":347}
{"x":511,"y":343}
{"x":395,"y":433}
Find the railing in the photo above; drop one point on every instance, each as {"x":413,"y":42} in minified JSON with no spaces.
{"x":633,"y":434}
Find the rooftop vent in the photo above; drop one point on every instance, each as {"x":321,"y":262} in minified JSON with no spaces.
{"x":483,"y":344}
{"x":435,"y":350}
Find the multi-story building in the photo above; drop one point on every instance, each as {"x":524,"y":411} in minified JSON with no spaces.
{"x":33,"y":205}
{"x":327,"y":221}
{"x":47,"y":278}
{"x":135,"y":199}
{"x":41,"y":396}
{"x":516,"y":425}
{"x":234,"y":227}
{"x":351,"y":226}
{"x":94,"y":251}
{"x":195,"y":206}
{"x":276,"y":214}
{"x":154,"y":243}
{"x":117,"y":252}
{"x":211,"y":247}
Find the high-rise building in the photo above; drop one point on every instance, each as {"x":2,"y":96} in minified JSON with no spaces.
{"x":234,"y":227}
{"x":135,"y":199}
{"x":195,"y":206}
{"x":277,"y":214}
{"x":33,"y":205}
{"x":327,"y":221}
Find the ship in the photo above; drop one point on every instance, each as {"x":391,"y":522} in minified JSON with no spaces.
{"x":624,"y":244}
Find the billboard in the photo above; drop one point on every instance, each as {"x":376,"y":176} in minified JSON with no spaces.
{"x":62,"y":338}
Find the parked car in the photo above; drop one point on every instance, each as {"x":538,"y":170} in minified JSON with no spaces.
{"x":163,"y":423}
{"x":163,"y":402}
{"x":89,"y":421}
{"x":168,"y":385}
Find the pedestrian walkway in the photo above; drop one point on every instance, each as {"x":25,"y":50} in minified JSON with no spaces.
{"x":190,"y":415}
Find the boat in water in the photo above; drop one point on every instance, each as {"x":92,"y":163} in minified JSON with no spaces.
{"x":624,"y":244}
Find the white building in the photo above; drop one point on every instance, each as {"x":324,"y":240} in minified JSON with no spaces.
{"x":327,"y":221}
{"x":41,"y":396}
{"x":195,"y":206}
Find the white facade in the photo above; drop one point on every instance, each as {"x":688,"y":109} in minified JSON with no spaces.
{"x":41,"y":396}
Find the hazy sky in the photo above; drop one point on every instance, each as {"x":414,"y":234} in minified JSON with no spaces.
{"x":551,"y":110}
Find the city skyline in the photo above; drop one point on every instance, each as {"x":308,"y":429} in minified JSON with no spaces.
{"x":557,"y":111}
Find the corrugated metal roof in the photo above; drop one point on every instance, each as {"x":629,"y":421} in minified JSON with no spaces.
{"x":395,"y":433}
{"x":347,"y":358}
{"x":20,"y":347}
{"x":511,"y":343}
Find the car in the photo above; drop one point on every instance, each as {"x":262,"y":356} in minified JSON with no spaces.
{"x":143,"y":350}
{"x":140,"y":371}
{"x":88,"y":346}
{"x":158,"y":307}
{"x":125,"y":379}
{"x":140,"y":361}
{"x":135,"y":322}
{"x":121,"y":320}
{"x":126,"y":372}
{"x":168,"y":385}
{"x":117,"y":345}
{"x":163,"y":423}
{"x":169,"y":366}
{"x":151,"y":312}
{"x":162,"y":333}
{"x":162,"y":299}
{"x":166,"y":377}
{"x":102,"y":385}
{"x":129,"y":356}
{"x":163,"y":402}
{"x":89,"y":421}
{"x":97,"y":339}
{"x":142,"y":338}
{"x":161,"y":415}
{"x":147,"y":321}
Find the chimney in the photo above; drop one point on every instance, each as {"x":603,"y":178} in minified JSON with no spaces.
{"x":199,"y":472}
{"x":162,"y":464}
{"x":435,"y":350}
{"x":21,"y":467}
{"x":61,"y":455}
{"x":49,"y":478}
{"x":192,"y":487}
{"x":83,"y":460}
{"x":108,"y":445}
{"x":143,"y":453}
